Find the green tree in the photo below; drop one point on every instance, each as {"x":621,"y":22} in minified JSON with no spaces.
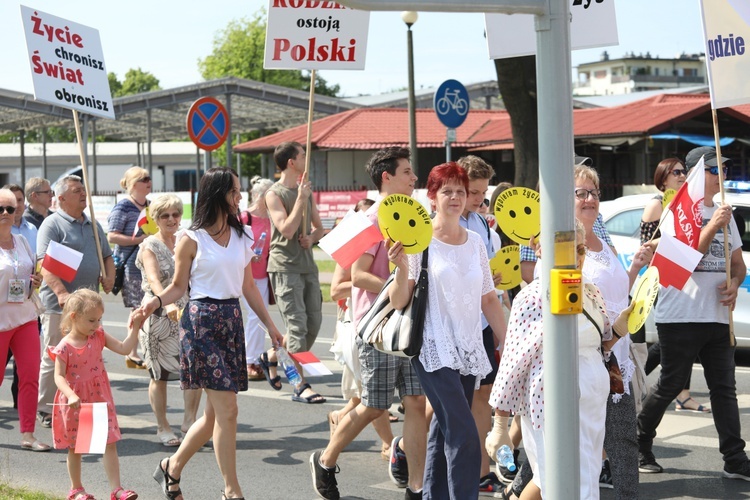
{"x":238,"y":51}
{"x":136,"y":81}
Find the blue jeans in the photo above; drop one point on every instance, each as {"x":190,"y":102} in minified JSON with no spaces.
{"x":681,"y":343}
{"x":453,"y":459}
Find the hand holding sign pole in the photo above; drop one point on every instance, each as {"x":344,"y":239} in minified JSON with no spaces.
{"x":67,"y":70}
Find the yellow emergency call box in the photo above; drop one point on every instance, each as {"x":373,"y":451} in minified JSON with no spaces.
{"x":566,"y":291}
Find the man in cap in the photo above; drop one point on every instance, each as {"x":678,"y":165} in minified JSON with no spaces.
{"x":694,"y":322}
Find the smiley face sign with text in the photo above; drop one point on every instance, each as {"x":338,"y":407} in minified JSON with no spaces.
{"x":507,"y":261}
{"x":518,"y":214}
{"x":402,"y":218}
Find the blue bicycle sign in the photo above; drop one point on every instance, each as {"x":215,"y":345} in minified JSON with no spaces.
{"x":451,"y":103}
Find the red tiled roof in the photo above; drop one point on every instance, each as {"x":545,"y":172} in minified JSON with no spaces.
{"x":373,"y":128}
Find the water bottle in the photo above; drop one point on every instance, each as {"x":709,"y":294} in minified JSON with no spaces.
{"x":292,"y":375}
{"x":258,"y":248}
{"x":505,"y":458}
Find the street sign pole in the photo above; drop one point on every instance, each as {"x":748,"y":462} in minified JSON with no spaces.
{"x":555,"y":113}
{"x":450,"y":137}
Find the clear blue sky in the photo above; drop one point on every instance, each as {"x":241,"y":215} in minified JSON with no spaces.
{"x":167,"y":37}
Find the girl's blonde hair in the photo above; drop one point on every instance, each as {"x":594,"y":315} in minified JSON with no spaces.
{"x":131,"y":177}
{"x":81,"y":301}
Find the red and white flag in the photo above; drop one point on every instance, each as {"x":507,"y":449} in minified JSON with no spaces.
{"x":350,"y":238}
{"x":93,"y":428}
{"x":142,"y":221}
{"x":675,"y":260}
{"x":683,"y":217}
{"x":62,"y":261}
{"x":311,"y":365}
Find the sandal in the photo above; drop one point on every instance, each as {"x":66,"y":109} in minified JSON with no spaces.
{"x":313,"y":399}
{"x":161,"y":475}
{"x":255,"y":372}
{"x":681,"y":406}
{"x":134,"y":363}
{"x":265,"y":366}
{"x":35,"y":446}
{"x":79,"y":494}
{"x":392,"y":418}
{"x":225,"y":497}
{"x":169,"y":439}
{"x":123,"y":494}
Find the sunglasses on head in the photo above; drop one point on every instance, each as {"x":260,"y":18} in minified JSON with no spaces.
{"x":10,"y":210}
{"x":715,"y":170}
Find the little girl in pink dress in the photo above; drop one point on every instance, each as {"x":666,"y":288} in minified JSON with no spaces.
{"x":81,"y":379}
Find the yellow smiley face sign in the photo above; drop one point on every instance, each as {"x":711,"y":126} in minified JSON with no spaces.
{"x":150,"y":226}
{"x":402,"y":218}
{"x":646,"y":291}
{"x":518,"y":214}
{"x":507,"y":262}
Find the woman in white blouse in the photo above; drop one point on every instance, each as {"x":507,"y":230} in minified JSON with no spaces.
{"x":452,"y":359}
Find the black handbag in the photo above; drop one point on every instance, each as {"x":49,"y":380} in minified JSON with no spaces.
{"x":397,"y":332}
{"x":120,"y":272}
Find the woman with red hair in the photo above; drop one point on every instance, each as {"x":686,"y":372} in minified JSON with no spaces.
{"x":452,"y":360}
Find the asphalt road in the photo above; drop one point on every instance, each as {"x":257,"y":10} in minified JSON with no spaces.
{"x":276,"y":437}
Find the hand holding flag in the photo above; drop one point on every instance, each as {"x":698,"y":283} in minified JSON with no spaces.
{"x":350,"y":239}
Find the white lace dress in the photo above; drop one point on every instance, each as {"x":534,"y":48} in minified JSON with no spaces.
{"x":607,"y":273}
{"x":458,"y":277}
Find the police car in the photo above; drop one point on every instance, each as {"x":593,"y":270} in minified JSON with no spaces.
{"x":623,"y":218}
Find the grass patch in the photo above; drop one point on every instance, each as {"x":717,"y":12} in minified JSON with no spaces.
{"x":326,"y":289}
{"x":326,"y":266}
{"x":8,"y":492}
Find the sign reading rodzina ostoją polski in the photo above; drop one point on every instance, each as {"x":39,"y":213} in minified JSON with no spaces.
{"x":67,"y":63}
{"x":315,"y":34}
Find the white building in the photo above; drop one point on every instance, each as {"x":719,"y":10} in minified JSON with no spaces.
{"x":638,"y":73}
{"x":174,"y":163}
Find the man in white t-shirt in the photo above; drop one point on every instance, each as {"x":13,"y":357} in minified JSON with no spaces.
{"x":694,"y":323}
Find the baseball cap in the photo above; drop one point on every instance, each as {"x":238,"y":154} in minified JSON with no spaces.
{"x":709,"y":157}
{"x":582,"y":160}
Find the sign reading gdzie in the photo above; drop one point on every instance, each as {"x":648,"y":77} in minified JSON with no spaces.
{"x":67,"y":63}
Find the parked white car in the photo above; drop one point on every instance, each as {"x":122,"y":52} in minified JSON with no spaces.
{"x":623,"y":218}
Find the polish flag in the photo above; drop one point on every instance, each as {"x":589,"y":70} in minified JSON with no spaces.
{"x":62,"y":261}
{"x":350,"y":238}
{"x":142,"y":221}
{"x":683,"y":217}
{"x":311,"y":365}
{"x":675,"y":260}
{"x":93,"y":428}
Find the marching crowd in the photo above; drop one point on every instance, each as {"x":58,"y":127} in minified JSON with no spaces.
{"x":476,"y":385}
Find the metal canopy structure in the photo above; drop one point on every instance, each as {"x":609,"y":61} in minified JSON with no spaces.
{"x":161,"y":115}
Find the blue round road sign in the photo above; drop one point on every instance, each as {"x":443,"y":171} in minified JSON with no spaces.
{"x":451,"y":103}
{"x":208,"y":123}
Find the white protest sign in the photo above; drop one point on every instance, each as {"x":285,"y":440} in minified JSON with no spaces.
{"x":315,"y":34}
{"x":726,"y":30}
{"x":593,"y":24}
{"x":67,"y":63}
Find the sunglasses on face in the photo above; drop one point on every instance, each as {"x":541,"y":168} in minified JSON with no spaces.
{"x":144,"y":179}
{"x":175,"y":215}
{"x":715,"y":170}
{"x":486,"y":202}
{"x":583,"y":194}
{"x":10,"y":210}
{"x":678,"y":172}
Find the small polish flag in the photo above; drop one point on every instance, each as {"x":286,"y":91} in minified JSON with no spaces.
{"x":350,"y":239}
{"x":675,"y":260}
{"x":92,"y":428}
{"x":311,"y":365}
{"x":683,"y":217}
{"x":142,"y":221}
{"x":62,"y":261}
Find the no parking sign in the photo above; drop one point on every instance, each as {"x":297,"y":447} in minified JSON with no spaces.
{"x":208,"y":123}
